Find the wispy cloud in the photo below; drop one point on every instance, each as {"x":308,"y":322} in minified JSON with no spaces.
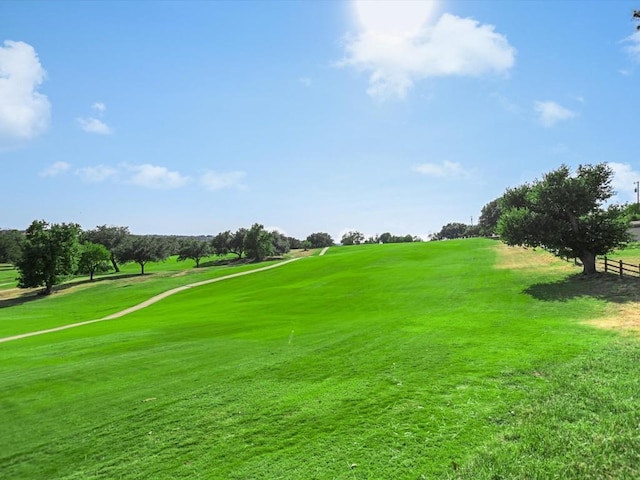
{"x":454,"y":46}
{"x":633,"y":47}
{"x":98,"y":173}
{"x":306,"y":81}
{"x":212,"y":180}
{"x":445,"y":169}
{"x":55,"y":169}
{"x":94,"y":125}
{"x":550,"y":113}
{"x":156,"y":177}
{"x":24,"y":112}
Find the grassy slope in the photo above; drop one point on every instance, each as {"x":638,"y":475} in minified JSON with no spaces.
{"x":401,"y":359}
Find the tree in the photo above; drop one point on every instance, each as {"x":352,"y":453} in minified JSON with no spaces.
{"x":489,"y":216}
{"x":258,"y":243}
{"x":280,"y":243}
{"x":352,"y":238}
{"x":451,"y":231}
{"x":564,"y":213}
{"x":193,"y":249}
{"x":94,"y":258}
{"x":11,"y":242}
{"x":50,"y":254}
{"x":320,"y":240}
{"x":142,"y":249}
{"x":111,"y":237}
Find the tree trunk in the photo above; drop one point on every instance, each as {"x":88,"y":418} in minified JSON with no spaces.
{"x":113,"y":262}
{"x":141,"y":268}
{"x":588,"y":263}
{"x":48,"y":287}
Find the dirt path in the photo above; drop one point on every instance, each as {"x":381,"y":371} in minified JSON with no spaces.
{"x":324,"y":250}
{"x":146,"y":303}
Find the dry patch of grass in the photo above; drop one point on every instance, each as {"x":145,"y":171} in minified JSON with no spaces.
{"x":519,"y":258}
{"x":622,"y":295}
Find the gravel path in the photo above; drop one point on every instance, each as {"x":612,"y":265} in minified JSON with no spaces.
{"x":146,"y":303}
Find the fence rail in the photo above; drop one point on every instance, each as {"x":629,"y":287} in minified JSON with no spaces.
{"x":619,"y":267}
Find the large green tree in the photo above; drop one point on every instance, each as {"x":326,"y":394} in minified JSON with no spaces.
{"x":11,"y":242}
{"x":258,"y":243}
{"x":193,"y":249}
{"x":353,"y":237}
{"x":320,"y":240}
{"x":565,"y":213}
{"x":143,"y":249}
{"x":111,"y":237}
{"x":94,"y":258}
{"x":50,"y":254}
{"x":489,"y":217}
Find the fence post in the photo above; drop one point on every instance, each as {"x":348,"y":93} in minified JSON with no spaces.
{"x":620,"y":268}
{"x":605,"y":264}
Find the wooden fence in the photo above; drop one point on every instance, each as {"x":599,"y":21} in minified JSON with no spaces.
{"x":619,"y":267}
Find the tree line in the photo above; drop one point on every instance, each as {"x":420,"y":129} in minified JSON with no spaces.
{"x":566,"y":212}
{"x":47,"y":254}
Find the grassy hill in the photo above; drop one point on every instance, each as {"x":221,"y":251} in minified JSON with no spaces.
{"x":435,"y":360}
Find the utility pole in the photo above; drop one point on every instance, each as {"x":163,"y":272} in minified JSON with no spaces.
{"x":637,"y":190}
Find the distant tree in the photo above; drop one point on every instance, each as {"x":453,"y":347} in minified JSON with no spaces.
{"x":451,"y":231}
{"x":489,"y":216}
{"x":386,"y":237}
{"x":306,"y":245}
{"x":636,"y":16}
{"x":564,"y":213}
{"x":111,"y":237}
{"x":220,"y":243}
{"x":258,"y":243}
{"x":94,"y":258}
{"x":294,"y":243}
{"x":50,"y":254}
{"x":142,"y":249}
{"x":320,"y":240}
{"x":11,"y":243}
{"x":236,"y":242}
{"x":280,"y":243}
{"x":352,"y":238}
{"x":193,"y":249}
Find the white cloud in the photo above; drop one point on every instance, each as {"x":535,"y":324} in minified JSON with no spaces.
{"x":217,"y":181}
{"x":99,"y":107}
{"x":397,"y":59}
{"x":24,"y":112}
{"x":550,"y":113}
{"x":446,"y":169}
{"x":55,"y":169}
{"x":95,"y":174}
{"x":152,"y":176}
{"x":93,"y":125}
{"x":624,"y":178}
{"x":634,"y":48}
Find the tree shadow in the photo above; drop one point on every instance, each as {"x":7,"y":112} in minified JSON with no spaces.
{"x":603,"y":286}
{"x":6,"y":268}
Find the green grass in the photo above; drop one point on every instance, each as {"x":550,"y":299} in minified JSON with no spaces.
{"x":377,"y":361}
{"x":8,"y":275}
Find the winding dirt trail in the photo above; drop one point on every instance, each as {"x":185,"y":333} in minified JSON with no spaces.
{"x":146,"y":303}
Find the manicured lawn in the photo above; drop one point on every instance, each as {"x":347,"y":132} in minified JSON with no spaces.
{"x":408,"y":361}
{"x":8,"y":276}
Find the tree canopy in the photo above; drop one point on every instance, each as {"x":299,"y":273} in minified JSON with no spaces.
{"x":94,"y":258}
{"x":564,"y":213}
{"x":142,"y":249}
{"x":193,"y":249}
{"x":50,"y":254}
{"x":11,"y":242}
{"x":353,"y":237}
{"x":111,"y":237}
{"x":320,"y":240}
{"x":258,"y":243}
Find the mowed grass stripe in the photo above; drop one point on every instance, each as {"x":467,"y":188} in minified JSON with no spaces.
{"x":75,"y":303}
{"x":382,"y":361}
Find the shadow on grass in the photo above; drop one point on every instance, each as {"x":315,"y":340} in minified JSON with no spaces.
{"x":603,"y":286}
{"x":34,"y":295}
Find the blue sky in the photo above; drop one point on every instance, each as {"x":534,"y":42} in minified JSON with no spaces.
{"x":197,"y":117}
